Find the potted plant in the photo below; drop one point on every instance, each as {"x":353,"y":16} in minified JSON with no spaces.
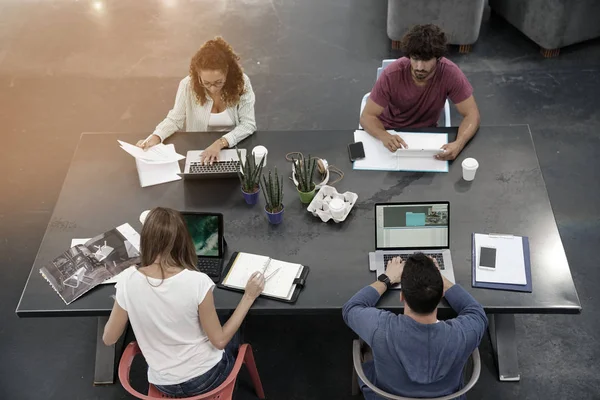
{"x":303,"y":172}
{"x":250,"y":177}
{"x":273,"y":192}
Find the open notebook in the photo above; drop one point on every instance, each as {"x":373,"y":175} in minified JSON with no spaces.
{"x":281,"y":275}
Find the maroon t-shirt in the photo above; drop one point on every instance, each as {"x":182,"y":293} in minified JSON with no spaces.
{"x":407,"y":105}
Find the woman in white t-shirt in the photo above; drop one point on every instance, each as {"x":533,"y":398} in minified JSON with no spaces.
{"x":171,"y":308}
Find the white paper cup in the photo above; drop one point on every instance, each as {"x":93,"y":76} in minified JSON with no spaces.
{"x":259,"y":152}
{"x":337,"y":208}
{"x":143,"y":216}
{"x":469,"y":167}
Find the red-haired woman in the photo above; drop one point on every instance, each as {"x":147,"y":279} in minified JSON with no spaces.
{"x":215,"y":96}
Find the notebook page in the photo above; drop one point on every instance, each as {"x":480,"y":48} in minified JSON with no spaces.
{"x":244,"y":266}
{"x":281,"y":284}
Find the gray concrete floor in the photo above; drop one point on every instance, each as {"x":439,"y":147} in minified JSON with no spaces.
{"x":73,"y":66}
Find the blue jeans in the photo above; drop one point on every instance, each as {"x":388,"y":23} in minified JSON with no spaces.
{"x":208,"y":381}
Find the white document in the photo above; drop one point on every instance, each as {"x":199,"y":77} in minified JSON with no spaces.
{"x":161,"y":153}
{"x":155,"y":174}
{"x":510,"y":260}
{"x":130,"y":234}
{"x":419,"y":157}
{"x":280,"y":285}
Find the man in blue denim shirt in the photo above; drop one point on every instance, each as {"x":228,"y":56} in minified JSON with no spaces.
{"x":414,"y":354}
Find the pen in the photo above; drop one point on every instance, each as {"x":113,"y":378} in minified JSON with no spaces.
{"x":272,"y":274}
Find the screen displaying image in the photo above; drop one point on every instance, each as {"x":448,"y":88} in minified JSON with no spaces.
{"x":204,"y":230}
{"x":412,"y":225}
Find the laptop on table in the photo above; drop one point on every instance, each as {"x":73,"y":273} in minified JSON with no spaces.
{"x":227,"y":167}
{"x":402,"y":229}
{"x":206,"y":230}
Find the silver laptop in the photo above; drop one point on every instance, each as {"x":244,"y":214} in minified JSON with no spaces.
{"x":402,"y":229}
{"x":227,"y":166}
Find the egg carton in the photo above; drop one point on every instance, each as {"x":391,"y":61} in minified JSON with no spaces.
{"x":319,"y":206}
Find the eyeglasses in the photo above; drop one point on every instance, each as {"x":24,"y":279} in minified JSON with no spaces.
{"x":208,"y":85}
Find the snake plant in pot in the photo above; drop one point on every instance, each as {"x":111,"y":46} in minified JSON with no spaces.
{"x":250,"y":177}
{"x":273,"y":192}
{"x":304,"y":170}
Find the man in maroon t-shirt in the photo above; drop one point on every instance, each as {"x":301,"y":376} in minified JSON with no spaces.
{"x":411,"y":92}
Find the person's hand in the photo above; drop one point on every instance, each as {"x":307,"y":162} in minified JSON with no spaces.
{"x":447,"y":283}
{"x":255,"y":285}
{"x":152,"y":141}
{"x":211,"y":153}
{"x":394,"y":269}
{"x":393,"y":142}
{"x":450,"y":151}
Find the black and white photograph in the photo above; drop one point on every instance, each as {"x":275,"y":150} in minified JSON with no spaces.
{"x":83,"y":267}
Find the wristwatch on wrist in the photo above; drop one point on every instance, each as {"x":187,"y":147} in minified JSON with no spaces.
{"x":385,"y":279}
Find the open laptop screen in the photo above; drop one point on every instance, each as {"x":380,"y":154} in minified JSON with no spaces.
{"x":206,"y":231}
{"x":412,"y":225}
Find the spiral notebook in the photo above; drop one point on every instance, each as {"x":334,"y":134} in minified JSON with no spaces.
{"x":284,"y":280}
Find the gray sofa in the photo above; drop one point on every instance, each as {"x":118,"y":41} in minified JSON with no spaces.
{"x":552,"y":24}
{"x":459,"y":19}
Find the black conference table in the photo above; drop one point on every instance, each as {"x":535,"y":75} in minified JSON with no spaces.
{"x":101,"y":191}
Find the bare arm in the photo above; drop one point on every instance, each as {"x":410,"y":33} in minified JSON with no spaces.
{"x":114,"y":328}
{"x":467,"y":129}
{"x":369,"y":120}
{"x":219,"y":335}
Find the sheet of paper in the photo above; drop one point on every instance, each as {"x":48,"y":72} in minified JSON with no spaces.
{"x":280,"y":285}
{"x":377,"y":157}
{"x":510,"y":261}
{"x":155,"y":174}
{"x":160,"y":153}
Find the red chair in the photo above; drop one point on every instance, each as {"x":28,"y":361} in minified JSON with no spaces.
{"x":223,"y":392}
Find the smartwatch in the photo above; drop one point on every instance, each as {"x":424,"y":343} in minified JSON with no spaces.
{"x":385,"y":279}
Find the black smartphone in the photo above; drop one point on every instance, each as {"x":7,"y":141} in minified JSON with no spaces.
{"x":487,"y":258}
{"x":356,"y":151}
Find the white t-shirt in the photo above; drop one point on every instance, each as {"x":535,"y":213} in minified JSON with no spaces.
{"x":220,"y":122}
{"x":166,"y":323}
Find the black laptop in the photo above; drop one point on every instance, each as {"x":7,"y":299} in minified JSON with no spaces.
{"x":206,"y":230}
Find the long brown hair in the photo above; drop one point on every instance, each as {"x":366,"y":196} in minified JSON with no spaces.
{"x":217,"y":54}
{"x":165,"y":235}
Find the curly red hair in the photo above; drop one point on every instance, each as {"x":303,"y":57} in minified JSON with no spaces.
{"x":217,"y":54}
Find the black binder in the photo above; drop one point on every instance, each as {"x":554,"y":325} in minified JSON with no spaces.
{"x":299,"y":282}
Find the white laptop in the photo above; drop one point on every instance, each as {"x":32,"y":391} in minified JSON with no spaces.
{"x":402,"y":229}
{"x":227,"y":166}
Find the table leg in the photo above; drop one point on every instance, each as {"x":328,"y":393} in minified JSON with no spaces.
{"x":504,"y":342}
{"x":104,"y":369}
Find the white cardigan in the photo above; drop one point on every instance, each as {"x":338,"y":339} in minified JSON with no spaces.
{"x":188,"y":112}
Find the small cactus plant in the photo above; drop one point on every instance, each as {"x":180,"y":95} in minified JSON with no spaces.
{"x":273,"y":192}
{"x":304,"y":171}
{"x":250,"y":173}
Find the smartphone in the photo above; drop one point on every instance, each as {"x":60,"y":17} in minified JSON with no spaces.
{"x":356,"y":151}
{"x":487,"y":258}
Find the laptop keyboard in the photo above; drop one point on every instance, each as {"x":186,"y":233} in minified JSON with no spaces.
{"x":210,"y":266}
{"x":438,"y":257}
{"x":217,"y":167}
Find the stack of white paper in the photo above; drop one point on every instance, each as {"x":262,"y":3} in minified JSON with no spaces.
{"x":510,"y":261}
{"x":419,"y":157}
{"x":159,"y":164}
